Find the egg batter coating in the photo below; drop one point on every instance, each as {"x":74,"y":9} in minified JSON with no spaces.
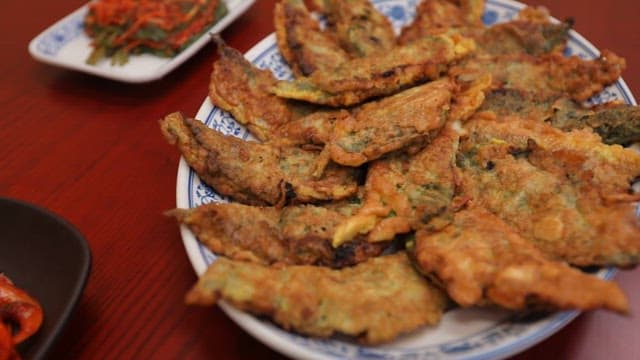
{"x":242,"y":89}
{"x":479,"y":259}
{"x":392,"y":123}
{"x":292,"y":235}
{"x":566,"y":192}
{"x":523,"y":104}
{"x":434,"y":15}
{"x":357,"y":80}
{"x":404,"y":193}
{"x":312,"y":130}
{"x":359,"y":27}
{"x":546,"y":75}
{"x":531,"y":32}
{"x":254,"y":173}
{"x":374,"y":301}
{"x":303,"y":45}
{"x":408,"y":119}
{"x":615,"y":122}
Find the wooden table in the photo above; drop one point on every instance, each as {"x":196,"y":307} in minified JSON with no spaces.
{"x":90,"y":150}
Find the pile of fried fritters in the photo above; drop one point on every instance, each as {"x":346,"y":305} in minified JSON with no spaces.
{"x":397,"y":176}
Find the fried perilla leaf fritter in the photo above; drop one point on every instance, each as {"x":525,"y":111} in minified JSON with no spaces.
{"x":375,"y":301}
{"x":480,"y":259}
{"x":408,"y":192}
{"x":390,"y":124}
{"x":303,"y":45}
{"x":545,"y":75}
{"x":531,"y":33}
{"x":404,"y":193}
{"x":292,"y":235}
{"x":242,"y":89}
{"x":407,"y":119}
{"x":254,"y":173}
{"x":359,"y":27}
{"x":434,"y":15}
{"x":616,"y":123}
{"x":566,"y":192}
{"x":521,"y":103}
{"x":359,"y":79}
{"x":313,"y":129}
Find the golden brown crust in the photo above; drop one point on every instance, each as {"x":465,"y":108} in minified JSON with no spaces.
{"x":390,"y":124}
{"x":547,"y":75}
{"x":615,"y":122}
{"x":313,"y":129}
{"x":568,"y":193}
{"x":434,"y":15}
{"x":374,"y":301}
{"x":359,"y":27}
{"x":357,"y":80}
{"x":303,"y":45}
{"x":480,"y":259}
{"x":373,"y":129}
{"x":241,"y":89}
{"x":531,"y":32}
{"x":526,"y":37}
{"x":406,"y":193}
{"x":293,"y":235}
{"x":253,"y":173}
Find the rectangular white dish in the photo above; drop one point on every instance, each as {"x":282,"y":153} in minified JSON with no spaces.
{"x":65,"y":44}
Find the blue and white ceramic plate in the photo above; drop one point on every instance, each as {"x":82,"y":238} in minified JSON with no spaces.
{"x":463,"y":333}
{"x":65,"y":44}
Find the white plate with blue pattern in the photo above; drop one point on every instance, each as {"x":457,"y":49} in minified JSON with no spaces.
{"x":463,"y":333}
{"x":65,"y":44}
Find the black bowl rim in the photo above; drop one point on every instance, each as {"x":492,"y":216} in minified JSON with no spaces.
{"x":79,"y":286}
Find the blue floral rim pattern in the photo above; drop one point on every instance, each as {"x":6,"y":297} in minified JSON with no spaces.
{"x":62,"y":35}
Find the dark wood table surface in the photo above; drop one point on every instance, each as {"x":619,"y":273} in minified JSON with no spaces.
{"x":90,"y":150}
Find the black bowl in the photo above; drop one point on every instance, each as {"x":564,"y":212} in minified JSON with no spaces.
{"x":46,"y":256}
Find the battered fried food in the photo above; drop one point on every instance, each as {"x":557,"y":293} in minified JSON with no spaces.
{"x":522,"y":104}
{"x":567,"y":193}
{"x":357,"y":80}
{"x":390,"y":124}
{"x":615,"y":122}
{"x":504,"y":192}
{"x":407,"y":119}
{"x":239,"y":87}
{"x":404,"y":193}
{"x":480,"y":259}
{"x":531,"y":33}
{"x":546,"y":75}
{"x":253,"y":173}
{"x":434,"y":15}
{"x":303,"y":45}
{"x":359,"y":27}
{"x":292,"y":235}
{"x":313,"y":129}
{"x":374,"y":301}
